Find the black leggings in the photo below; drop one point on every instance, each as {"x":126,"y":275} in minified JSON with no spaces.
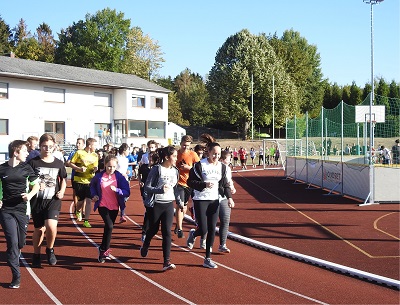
{"x":109,"y":217}
{"x":14,"y":226}
{"x":161,"y":213}
{"x":206,"y":217}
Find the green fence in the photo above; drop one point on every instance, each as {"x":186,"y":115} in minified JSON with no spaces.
{"x":335,"y":135}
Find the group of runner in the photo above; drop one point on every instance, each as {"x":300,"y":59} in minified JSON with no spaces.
{"x":33,"y":182}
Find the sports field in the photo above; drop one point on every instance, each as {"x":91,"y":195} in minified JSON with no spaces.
{"x":271,"y":212}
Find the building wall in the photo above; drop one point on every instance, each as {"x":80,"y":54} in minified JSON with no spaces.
{"x":27,"y":111}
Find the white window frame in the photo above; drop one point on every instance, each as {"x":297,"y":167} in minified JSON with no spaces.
{"x":103,"y":99}
{"x":3,"y":126}
{"x":54,"y":95}
{"x":3,"y":90}
{"x":157,"y":100}
{"x":138,"y":101}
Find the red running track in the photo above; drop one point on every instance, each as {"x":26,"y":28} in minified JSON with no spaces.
{"x":268,"y":209}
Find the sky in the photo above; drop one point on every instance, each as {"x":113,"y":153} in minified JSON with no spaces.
{"x":191,"y":32}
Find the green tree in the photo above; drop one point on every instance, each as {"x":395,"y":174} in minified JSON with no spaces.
{"x":303,"y":63}
{"x":382,"y":88}
{"x":394,"y":89}
{"x":366,"y":91}
{"x":346,"y":94}
{"x":193,"y":98}
{"x":5,"y":37}
{"x":229,"y":83}
{"x":175,"y":111}
{"x":355,"y":94}
{"x":336,"y":95}
{"x":143,"y":56}
{"x":97,"y":42}
{"x":25,"y":45}
{"x":46,"y":42}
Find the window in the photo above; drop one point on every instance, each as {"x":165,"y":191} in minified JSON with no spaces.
{"x":156,"y":129}
{"x":137,"y":129}
{"x":138,"y":101}
{"x":55,"y":128}
{"x":3,"y":127}
{"x":3,"y":90}
{"x":54,"y":95}
{"x":102,"y":99}
{"x":156,"y":102}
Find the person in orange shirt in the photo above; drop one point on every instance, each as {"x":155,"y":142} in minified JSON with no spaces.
{"x":186,"y":159}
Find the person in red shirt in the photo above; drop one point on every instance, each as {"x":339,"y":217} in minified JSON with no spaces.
{"x":243,"y":157}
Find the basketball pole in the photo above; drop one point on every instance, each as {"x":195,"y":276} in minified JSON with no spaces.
{"x":371,"y":102}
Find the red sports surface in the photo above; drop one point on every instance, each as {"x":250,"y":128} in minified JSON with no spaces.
{"x":268,"y":209}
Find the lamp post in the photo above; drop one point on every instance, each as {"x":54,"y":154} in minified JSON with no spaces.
{"x":371,"y":102}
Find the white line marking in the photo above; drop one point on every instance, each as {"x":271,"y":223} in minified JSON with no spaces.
{"x":128,"y":267}
{"x":39,"y":282}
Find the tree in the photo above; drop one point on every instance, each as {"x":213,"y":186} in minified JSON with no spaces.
{"x":46,"y":42}
{"x":302,"y":62}
{"x":229,"y":83}
{"x":346,"y":94}
{"x":394,"y":90}
{"x":355,"y":94}
{"x":193,"y":98}
{"x":5,"y":38}
{"x":96,"y":43}
{"x":25,"y":45}
{"x":336,"y":97}
{"x":174,"y":110}
{"x":143,"y":56}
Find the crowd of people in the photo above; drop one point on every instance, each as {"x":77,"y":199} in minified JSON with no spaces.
{"x":34,"y":180}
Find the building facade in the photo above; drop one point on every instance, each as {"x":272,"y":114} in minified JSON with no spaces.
{"x":72,"y":102}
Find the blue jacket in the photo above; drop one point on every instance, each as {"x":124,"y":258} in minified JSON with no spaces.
{"x":123,"y":190}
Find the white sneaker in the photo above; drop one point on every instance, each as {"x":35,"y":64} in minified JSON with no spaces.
{"x":223,"y":249}
{"x":208,"y":263}
{"x":191,"y":239}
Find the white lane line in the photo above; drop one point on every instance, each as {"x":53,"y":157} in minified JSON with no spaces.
{"x":39,"y":282}
{"x":128,"y":267}
{"x":242,"y":273}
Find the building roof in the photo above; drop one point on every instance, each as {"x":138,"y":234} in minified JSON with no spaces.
{"x":43,"y":71}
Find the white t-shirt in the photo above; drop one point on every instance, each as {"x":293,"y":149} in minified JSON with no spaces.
{"x":167,"y":176}
{"x":210,"y":173}
{"x":122,"y":164}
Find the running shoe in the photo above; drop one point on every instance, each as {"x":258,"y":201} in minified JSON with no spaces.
{"x":15,"y":283}
{"x":51,"y":257}
{"x":168,"y":266}
{"x":122,"y":219}
{"x":144,"y":250}
{"x":191,"y":239}
{"x":208,"y":263}
{"x":223,"y":249}
{"x":104,"y":255}
{"x":36,"y":261}
{"x":180,"y":234}
{"x":78,"y":216}
{"x":86,"y":224}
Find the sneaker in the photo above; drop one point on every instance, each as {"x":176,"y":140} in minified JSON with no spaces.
{"x":208,"y":263}
{"x":51,"y":257}
{"x":78,"y":216}
{"x":191,"y":239}
{"x":180,"y":234}
{"x":144,"y":250}
{"x":104,"y":255}
{"x":16,"y":281}
{"x":223,"y":249}
{"x":86,"y":224}
{"x":122,"y":219}
{"x":202,"y":243}
{"x":168,"y":266}
{"x":36,"y":261}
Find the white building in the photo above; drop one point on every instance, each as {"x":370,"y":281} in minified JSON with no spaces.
{"x":72,"y":102}
{"x":175,"y":133}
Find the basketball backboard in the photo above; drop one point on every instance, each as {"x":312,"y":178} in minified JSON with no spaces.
{"x":363,"y":114}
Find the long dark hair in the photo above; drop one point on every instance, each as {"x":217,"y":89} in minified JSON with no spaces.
{"x":209,"y":141}
{"x":162,"y":153}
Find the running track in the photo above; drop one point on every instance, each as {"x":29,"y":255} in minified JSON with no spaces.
{"x":268,"y":209}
